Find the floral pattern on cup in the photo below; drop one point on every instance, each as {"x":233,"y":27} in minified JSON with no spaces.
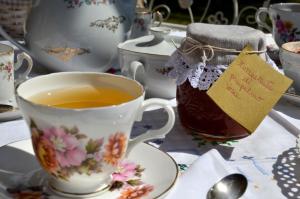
{"x":8,"y":69}
{"x":111,"y":23}
{"x":140,"y":24}
{"x":115,"y":148}
{"x":79,"y":3}
{"x":63,"y":151}
{"x":164,"y":70}
{"x":286,"y":29}
{"x":126,"y":179}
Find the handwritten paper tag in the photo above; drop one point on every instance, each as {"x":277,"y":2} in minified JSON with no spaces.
{"x":248,"y":89}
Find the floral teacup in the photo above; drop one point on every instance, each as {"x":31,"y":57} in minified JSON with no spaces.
{"x":285,"y":21}
{"x":7,"y":69}
{"x":289,"y":56}
{"x":81,"y":148}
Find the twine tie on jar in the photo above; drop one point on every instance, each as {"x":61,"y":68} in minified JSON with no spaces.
{"x":195,"y":45}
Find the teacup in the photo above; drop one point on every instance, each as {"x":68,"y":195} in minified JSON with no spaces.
{"x":144,"y":19}
{"x":285,"y":21}
{"x":81,"y":147}
{"x":7,"y":69}
{"x":289,"y":55}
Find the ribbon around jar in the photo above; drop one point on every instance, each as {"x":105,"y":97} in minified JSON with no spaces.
{"x":196,"y":45}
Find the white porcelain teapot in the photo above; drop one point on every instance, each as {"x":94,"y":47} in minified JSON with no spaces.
{"x":76,"y":35}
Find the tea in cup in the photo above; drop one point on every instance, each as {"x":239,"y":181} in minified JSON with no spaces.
{"x":80,"y":125}
{"x":7,"y":69}
{"x":285,"y":21}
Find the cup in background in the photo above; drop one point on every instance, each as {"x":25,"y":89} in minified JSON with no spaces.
{"x":289,"y":55}
{"x":81,"y":148}
{"x":7,"y":69}
{"x":143,"y":20}
{"x":285,"y":21}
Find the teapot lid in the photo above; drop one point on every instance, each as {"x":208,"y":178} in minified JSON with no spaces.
{"x":154,"y":44}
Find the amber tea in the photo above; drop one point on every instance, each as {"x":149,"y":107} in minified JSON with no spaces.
{"x":82,"y":97}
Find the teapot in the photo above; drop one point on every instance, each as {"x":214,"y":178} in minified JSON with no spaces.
{"x":76,"y":35}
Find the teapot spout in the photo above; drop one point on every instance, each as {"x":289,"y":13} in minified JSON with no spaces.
{"x":22,"y":47}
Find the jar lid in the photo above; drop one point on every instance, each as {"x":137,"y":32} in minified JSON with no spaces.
{"x":227,"y":35}
{"x":234,"y":37}
{"x":154,"y":44}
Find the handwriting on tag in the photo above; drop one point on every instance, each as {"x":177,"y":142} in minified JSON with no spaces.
{"x":248,"y":89}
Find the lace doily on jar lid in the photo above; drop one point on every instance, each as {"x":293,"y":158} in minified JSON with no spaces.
{"x":204,"y":55}
{"x":200,"y":75}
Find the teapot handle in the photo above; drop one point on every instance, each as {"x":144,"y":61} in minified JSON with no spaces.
{"x":14,"y":42}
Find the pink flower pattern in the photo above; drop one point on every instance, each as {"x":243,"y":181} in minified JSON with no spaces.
{"x":67,"y":147}
{"x":125,"y":171}
{"x":140,"y":24}
{"x":286,"y":30}
{"x":64,"y":151}
{"x":8,"y":68}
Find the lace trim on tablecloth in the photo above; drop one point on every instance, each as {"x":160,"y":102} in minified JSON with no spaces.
{"x":200,"y":75}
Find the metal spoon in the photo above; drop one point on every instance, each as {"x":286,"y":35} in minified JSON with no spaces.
{"x":230,"y":187}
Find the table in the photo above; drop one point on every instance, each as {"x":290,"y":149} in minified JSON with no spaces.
{"x":260,"y":156}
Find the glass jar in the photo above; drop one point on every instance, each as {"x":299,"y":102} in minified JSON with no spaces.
{"x":199,"y":113}
{"x":203,"y":56}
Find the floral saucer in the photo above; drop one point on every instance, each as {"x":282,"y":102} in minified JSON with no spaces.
{"x":146,"y":173}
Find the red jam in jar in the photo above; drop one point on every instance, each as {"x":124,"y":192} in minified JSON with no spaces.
{"x":202,"y":116}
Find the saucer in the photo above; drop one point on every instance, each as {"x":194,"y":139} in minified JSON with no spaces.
{"x":158,"y":174}
{"x":292,"y":98}
{"x":10,"y":114}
